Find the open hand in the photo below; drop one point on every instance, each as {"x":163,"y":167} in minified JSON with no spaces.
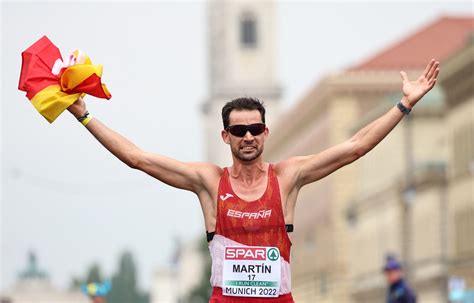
{"x":414,"y":90}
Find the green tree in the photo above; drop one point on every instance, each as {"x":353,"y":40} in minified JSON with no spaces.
{"x":124,"y":283}
{"x":93,"y":275}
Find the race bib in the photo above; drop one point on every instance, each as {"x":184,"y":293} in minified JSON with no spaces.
{"x":251,"y":271}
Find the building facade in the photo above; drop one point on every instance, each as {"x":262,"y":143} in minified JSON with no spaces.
{"x":412,"y":196}
{"x":457,"y":82}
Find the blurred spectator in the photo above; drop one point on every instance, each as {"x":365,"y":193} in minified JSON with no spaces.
{"x":98,"y":300}
{"x":398,"y":291}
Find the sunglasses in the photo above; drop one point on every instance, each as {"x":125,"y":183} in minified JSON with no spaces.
{"x":240,"y":130}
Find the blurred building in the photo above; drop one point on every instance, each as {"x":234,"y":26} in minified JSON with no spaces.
{"x":401,"y":203}
{"x":174,"y":283}
{"x":164,"y":285}
{"x":33,"y":286}
{"x":458,"y":83}
{"x":242,"y":62}
{"x":411,"y":196}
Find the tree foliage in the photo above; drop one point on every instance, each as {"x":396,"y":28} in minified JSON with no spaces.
{"x":124,"y":283}
{"x":94,"y":274}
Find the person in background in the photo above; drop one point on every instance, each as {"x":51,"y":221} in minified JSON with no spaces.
{"x":97,"y":291}
{"x":398,"y":289}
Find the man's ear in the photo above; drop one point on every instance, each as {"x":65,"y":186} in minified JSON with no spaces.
{"x":266,"y":133}
{"x":225,"y":136}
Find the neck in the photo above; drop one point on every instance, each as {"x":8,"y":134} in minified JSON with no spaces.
{"x":248,"y":171}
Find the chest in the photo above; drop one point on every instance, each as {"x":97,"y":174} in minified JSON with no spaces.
{"x":249,"y":191}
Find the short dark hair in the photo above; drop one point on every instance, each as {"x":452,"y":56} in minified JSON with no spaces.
{"x":244,"y":103}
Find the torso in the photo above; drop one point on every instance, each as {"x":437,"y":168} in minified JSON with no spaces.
{"x":248,"y":192}
{"x":251,"y":217}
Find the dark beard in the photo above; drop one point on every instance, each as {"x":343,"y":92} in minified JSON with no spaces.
{"x":249,"y":157}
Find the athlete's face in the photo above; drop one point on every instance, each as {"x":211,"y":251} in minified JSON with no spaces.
{"x":248,"y":147}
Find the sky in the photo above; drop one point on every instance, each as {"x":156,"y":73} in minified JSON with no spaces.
{"x":73,"y":203}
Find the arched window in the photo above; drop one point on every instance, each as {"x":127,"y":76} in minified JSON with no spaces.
{"x":248,"y":31}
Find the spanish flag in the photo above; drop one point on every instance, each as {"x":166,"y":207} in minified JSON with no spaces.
{"x":53,"y":84}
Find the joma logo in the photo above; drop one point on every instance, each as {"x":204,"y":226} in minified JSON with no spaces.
{"x":227,"y":196}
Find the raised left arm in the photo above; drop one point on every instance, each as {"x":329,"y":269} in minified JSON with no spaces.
{"x":314,"y":167}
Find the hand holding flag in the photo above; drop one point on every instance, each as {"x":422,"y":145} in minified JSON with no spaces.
{"x":53,"y":84}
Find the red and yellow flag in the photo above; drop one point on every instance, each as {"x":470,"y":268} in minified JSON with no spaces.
{"x":53,"y":84}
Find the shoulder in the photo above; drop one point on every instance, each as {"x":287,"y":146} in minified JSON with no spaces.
{"x":287,"y":165}
{"x":208,"y":172}
{"x":288,"y":170}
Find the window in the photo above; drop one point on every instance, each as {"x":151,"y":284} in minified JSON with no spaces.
{"x":248,"y":31}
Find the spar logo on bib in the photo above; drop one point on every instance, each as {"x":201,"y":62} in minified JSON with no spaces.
{"x":246,"y":253}
{"x":273,"y":254}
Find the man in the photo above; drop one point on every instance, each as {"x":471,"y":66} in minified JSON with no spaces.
{"x":249,"y":207}
{"x":399,"y":291}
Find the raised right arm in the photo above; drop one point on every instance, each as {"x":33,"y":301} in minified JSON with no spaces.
{"x":189,"y":176}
